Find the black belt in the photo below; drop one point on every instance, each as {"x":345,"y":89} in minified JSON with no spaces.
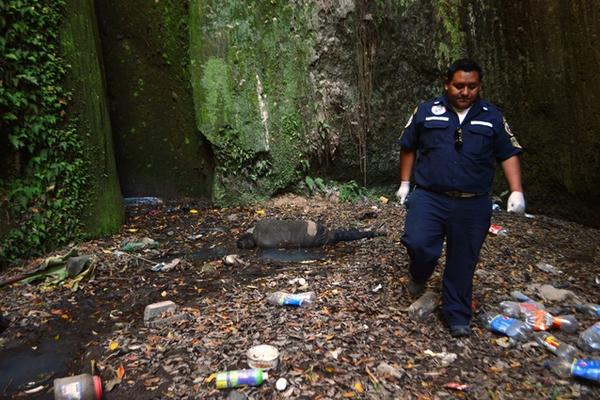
{"x":464,"y":195}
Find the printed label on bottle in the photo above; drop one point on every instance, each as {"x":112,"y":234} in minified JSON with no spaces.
{"x":598,"y":311}
{"x":552,"y":343}
{"x":528,"y":307}
{"x":502,"y":324}
{"x":290,"y":300}
{"x":71,"y":391}
{"x":539,"y":320}
{"x":231,"y":379}
{"x":587,"y":369}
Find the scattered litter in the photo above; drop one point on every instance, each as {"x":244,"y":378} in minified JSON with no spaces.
{"x":133,"y":245}
{"x":289,"y":299}
{"x":377,"y":288}
{"x":445,"y":358}
{"x":142,"y":201}
{"x":424,"y":305}
{"x":83,"y":386}
{"x":263,"y":356}
{"x":498,"y":230}
{"x":243,"y":377}
{"x":384,"y":369}
{"x":548,"y":268}
{"x":383,"y":200}
{"x":457,"y":386}
{"x":235,"y":260}
{"x":281,"y":384}
{"x":166,"y":267}
{"x":297,"y":281}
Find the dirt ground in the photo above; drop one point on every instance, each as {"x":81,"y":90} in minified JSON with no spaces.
{"x":355,"y":341}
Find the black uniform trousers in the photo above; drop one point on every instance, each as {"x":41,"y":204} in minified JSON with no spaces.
{"x":464,"y":223}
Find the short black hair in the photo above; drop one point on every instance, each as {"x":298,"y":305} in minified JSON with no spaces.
{"x":464,"y":64}
{"x":246,"y":241}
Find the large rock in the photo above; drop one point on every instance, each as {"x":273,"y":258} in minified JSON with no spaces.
{"x":159,"y":151}
{"x":103,"y":212}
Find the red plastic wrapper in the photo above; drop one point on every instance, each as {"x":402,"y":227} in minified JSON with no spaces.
{"x":496,"y":229}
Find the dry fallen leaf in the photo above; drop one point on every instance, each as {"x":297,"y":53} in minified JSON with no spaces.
{"x":359,"y":387}
{"x":120,"y":372}
{"x":113,"y":345}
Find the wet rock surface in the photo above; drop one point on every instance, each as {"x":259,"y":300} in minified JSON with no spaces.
{"x":352,"y":342}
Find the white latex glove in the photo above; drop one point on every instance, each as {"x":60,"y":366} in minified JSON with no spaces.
{"x":403,"y":191}
{"x":516,"y":203}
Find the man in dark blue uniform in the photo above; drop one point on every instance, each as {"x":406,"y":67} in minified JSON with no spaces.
{"x":452,"y":145}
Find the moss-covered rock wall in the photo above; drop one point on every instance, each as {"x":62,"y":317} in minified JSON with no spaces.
{"x":253,"y":95}
{"x":80,"y":46}
{"x":159,"y":150}
{"x":375,"y":62}
{"x":542,"y":58}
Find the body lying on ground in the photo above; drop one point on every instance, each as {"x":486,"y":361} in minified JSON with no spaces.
{"x":296,"y":233}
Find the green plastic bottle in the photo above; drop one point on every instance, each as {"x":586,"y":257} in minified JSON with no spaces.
{"x":247,"y":377}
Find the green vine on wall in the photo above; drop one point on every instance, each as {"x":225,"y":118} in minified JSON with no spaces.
{"x":44,"y":184}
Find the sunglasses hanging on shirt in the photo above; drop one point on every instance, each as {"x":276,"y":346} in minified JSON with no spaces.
{"x":458,"y":142}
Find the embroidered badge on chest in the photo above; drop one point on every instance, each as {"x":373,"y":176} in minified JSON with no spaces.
{"x":438,"y":109}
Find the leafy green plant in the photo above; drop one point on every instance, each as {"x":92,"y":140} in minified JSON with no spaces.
{"x":351,"y":191}
{"x":45,"y":187}
{"x":315,"y":185}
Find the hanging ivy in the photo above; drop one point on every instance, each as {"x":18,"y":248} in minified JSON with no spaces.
{"x":44,"y":185}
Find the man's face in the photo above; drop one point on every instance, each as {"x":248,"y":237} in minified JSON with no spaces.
{"x":463,"y":89}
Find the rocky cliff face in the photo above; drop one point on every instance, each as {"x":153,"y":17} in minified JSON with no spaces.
{"x":282,"y":88}
{"x":80,"y":45}
{"x":542,"y":59}
{"x":158,"y":149}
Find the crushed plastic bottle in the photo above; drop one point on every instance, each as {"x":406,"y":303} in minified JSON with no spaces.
{"x":513,"y":328}
{"x":578,"y":368}
{"x":542,"y":320}
{"x":589,"y":340}
{"x":552,"y":344}
{"x":423,"y":306}
{"x":589,"y":309}
{"x":520,"y":296}
{"x":293,"y":300}
{"x":242,"y":377}
{"x":515,"y":309}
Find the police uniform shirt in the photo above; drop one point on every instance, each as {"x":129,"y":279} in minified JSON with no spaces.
{"x":441,"y":166}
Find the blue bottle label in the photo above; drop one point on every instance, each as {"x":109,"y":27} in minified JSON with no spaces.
{"x":587,"y":369}
{"x":598,"y":311}
{"x":291,"y":300}
{"x":502,"y":324}
{"x":596,"y":328}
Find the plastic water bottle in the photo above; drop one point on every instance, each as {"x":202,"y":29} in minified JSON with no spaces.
{"x":515,"y":309}
{"x":513,"y":328}
{"x":79,"y":387}
{"x":423,"y":306}
{"x":551,"y":343}
{"x":589,"y":340}
{"x":589,"y":309}
{"x":520,"y":296}
{"x":542,"y":320}
{"x":578,"y":368}
{"x":242,"y":377}
{"x":293,"y":300}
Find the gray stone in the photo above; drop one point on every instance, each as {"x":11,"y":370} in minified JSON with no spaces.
{"x":153,"y":311}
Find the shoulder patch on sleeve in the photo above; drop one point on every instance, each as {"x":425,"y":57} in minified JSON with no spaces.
{"x":411,"y":118}
{"x":513,"y":139}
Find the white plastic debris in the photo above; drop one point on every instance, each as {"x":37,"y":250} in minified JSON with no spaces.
{"x":281,"y":384}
